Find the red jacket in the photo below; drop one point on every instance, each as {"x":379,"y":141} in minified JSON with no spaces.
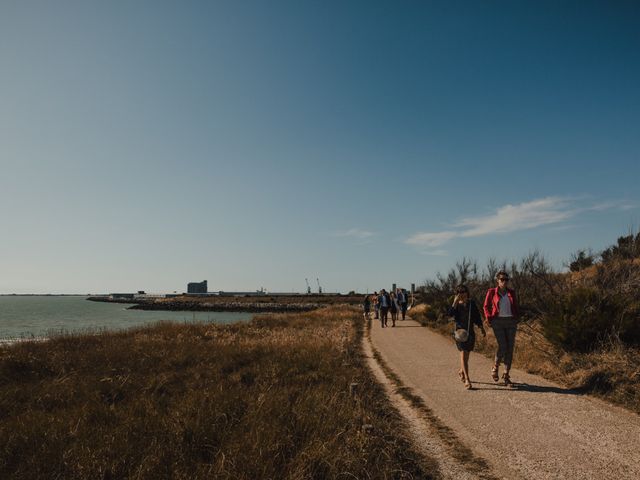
{"x":492,"y":300}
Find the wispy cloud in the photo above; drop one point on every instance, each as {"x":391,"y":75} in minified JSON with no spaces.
{"x":510,"y":218}
{"x":355,"y":233}
{"x":435,"y":239}
{"x":609,"y":205}
{"x":435,"y":253}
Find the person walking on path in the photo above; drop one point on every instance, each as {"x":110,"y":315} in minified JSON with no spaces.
{"x":393,"y":308}
{"x":401,"y":294}
{"x":366,"y":306}
{"x":384,"y":301}
{"x":466,"y":314}
{"x":376,"y":306}
{"x":501,"y":312}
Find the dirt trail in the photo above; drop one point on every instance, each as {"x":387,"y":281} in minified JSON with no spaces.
{"x":537,"y":430}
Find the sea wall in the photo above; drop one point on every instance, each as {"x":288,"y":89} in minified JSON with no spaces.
{"x":227,"y":306}
{"x":222,"y":304}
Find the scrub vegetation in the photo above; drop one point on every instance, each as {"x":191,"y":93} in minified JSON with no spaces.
{"x":580,"y":328}
{"x":273,"y":398}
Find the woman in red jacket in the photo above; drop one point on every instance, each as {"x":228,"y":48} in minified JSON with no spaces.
{"x":501,"y":312}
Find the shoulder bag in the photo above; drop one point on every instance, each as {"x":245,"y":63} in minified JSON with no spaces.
{"x":461,"y":335}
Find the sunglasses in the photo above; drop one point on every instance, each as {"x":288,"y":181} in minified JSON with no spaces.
{"x":503,"y":279}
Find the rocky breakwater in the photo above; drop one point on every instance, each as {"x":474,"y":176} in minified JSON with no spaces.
{"x":223,"y":303}
{"x":231,"y":306}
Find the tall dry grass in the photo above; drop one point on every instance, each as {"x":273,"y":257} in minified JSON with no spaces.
{"x":268,"y":399}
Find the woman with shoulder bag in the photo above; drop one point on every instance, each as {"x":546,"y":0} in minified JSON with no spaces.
{"x":501,"y":312}
{"x":466,"y":314}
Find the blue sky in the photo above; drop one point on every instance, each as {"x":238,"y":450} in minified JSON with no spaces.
{"x":148,"y":144}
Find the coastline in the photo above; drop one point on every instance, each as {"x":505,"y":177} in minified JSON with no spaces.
{"x":25,"y":318}
{"x":227,"y":307}
{"x":251,"y":304}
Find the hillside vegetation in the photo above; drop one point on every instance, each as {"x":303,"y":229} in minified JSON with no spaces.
{"x":581,"y":327}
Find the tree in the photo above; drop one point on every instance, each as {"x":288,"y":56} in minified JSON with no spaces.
{"x":627,"y":247}
{"x":581,"y":260}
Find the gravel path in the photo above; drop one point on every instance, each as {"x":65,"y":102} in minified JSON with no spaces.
{"x":537,"y":430}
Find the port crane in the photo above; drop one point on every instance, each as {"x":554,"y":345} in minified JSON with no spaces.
{"x":319,"y":287}
{"x":308,"y":287}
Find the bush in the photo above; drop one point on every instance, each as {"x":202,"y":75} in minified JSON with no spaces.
{"x":629,"y":324}
{"x":626,"y":248}
{"x":578,"y":311}
{"x":581,"y":260}
{"x":584,"y":317}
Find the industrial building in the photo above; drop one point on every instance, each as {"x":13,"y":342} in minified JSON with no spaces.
{"x":197,"y":287}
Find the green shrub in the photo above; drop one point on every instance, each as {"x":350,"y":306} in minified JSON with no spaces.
{"x":626,"y":248}
{"x":629,"y":324}
{"x":579,"y":320}
{"x":431,"y":314}
{"x":584,"y":317}
{"x":581,"y":260}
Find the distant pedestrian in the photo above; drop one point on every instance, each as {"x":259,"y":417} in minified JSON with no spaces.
{"x":384,"y":301}
{"x":366,"y":306}
{"x":393,"y":309}
{"x":466,"y":314}
{"x":501,"y":312}
{"x":403,"y":301}
{"x":376,"y":306}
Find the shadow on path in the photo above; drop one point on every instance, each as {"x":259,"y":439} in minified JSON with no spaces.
{"x":526,"y":387}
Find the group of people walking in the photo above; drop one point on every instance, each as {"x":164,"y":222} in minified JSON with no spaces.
{"x":385,"y":303}
{"x":500,"y":310}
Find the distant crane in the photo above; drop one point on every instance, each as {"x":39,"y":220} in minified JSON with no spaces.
{"x":319,"y":287}
{"x":308,"y":287}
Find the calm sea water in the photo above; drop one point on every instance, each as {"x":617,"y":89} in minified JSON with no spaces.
{"x":42,"y":315}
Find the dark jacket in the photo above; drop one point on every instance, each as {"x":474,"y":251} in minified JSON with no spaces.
{"x":402,"y":297}
{"x":460,"y":313}
{"x":387,"y":297}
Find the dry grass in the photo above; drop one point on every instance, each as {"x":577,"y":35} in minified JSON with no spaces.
{"x":611,"y":372}
{"x":268,"y":399}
